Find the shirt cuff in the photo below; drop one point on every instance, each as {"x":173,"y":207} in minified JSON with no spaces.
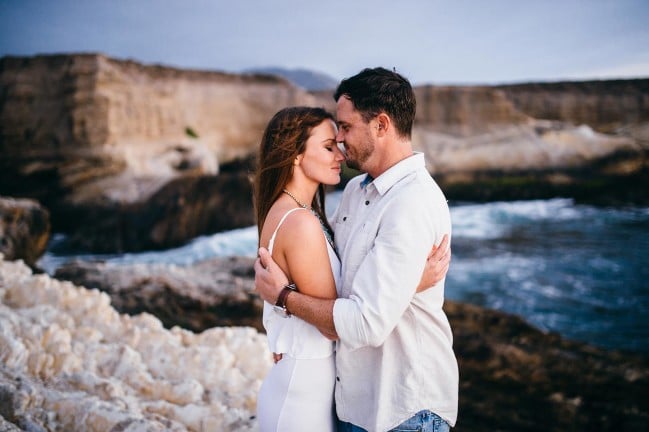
{"x":348,"y":330}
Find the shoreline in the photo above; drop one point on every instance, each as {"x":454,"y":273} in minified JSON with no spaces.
{"x":71,"y":354}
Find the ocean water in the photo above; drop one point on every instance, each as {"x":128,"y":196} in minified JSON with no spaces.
{"x":578,"y":270}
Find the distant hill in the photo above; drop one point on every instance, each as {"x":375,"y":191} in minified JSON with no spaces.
{"x":307,"y":79}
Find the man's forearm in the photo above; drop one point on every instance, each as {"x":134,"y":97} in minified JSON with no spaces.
{"x":316,"y":311}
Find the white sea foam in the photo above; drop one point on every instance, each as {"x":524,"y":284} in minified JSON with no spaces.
{"x":491,"y":220}
{"x":80,"y":365}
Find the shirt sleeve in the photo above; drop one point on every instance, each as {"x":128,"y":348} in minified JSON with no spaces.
{"x":388,"y":275}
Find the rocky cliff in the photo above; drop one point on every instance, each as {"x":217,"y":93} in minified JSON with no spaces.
{"x":613,"y":106}
{"x":587,"y":140}
{"x":87,"y":132}
{"x":129,"y":157}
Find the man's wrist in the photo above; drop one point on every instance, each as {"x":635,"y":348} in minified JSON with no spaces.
{"x":280,"y":304}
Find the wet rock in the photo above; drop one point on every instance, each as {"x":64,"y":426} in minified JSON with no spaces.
{"x":513,"y":377}
{"x":24,"y":229}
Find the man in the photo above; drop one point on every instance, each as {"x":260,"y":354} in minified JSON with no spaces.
{"x":395,"y":364}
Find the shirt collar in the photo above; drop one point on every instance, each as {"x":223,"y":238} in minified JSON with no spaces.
{"x":392,"y":175}
{"x":367,"y":180}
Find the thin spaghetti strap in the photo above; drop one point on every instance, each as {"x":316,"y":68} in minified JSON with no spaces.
{"x":281,"y":221}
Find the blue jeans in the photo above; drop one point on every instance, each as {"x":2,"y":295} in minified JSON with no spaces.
{"x":423,"y":421}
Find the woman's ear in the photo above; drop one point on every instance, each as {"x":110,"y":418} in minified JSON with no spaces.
{"x":297,"y":160}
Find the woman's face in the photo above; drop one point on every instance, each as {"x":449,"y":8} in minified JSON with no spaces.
{"x":322,"y":158}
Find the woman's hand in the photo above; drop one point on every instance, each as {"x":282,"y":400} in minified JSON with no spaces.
{"x":437,"y":264}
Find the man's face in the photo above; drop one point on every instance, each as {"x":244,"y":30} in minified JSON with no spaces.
{"x":354,"y":133}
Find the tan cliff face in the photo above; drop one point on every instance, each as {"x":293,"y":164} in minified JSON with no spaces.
{"x":96,"y":118}
{"x":467,"y":131}
{"x":128,"y":156}
{"x":606,"y":106}
{"x":464,"y":110}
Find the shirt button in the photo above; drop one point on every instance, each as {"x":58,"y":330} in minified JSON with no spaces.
{"x":338,"y":379}
{"x":344,"y":218}
{"x":367,"y":202}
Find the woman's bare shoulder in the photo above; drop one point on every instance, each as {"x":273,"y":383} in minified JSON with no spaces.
{"x":297,"y":221}
{"x":301,"y":225}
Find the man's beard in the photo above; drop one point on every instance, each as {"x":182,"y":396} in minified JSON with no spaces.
{"x":362,"y":155}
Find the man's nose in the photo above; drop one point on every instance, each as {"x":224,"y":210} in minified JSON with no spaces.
{"x":341,"y":148}
{"x":340,"y":155}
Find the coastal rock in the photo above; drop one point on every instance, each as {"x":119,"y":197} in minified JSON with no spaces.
{"x":539,"y":159}
{"x":610,"y":106}
{"x":514,"y":377}
{"x":24,"y":229}
{"x":182,"y":209}
{"x":70,"y":362}
{"x":79,"y":132}
{"x":215,"y":292}
{"x":466,"y":131}
{"x":542,"y":381}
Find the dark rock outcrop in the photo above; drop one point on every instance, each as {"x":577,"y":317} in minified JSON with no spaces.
{"x":24,"y":229}
{"x":184,"y":208}
{"x":216,"y":292}
{"x":514,"y":377}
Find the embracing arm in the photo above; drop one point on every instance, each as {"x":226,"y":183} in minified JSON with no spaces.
{"x":269,"y":282}
{"x":437,"y":264}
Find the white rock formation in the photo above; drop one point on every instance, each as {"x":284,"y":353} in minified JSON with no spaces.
{"x":70,"y":362}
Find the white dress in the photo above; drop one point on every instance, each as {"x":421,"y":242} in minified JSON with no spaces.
{"x":298,"y":392}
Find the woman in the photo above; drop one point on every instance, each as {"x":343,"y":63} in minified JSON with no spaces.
{"x":297,"y":157}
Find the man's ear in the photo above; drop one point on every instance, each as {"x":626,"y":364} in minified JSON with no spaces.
{"x":383,"y":124}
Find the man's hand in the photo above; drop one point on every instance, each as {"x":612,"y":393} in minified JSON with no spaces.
{"x":437,"y":265}
{"x":269,"y":277}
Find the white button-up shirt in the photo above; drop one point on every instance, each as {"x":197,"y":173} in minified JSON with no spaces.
{"x":395,"y":355}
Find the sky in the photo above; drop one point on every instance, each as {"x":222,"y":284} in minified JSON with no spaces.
{"x":442,"y":42}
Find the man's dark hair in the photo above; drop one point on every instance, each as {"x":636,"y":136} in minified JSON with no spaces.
{"x":373,"y":91}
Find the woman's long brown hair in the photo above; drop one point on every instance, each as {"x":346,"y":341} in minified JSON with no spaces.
{"x":283,"y":140}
